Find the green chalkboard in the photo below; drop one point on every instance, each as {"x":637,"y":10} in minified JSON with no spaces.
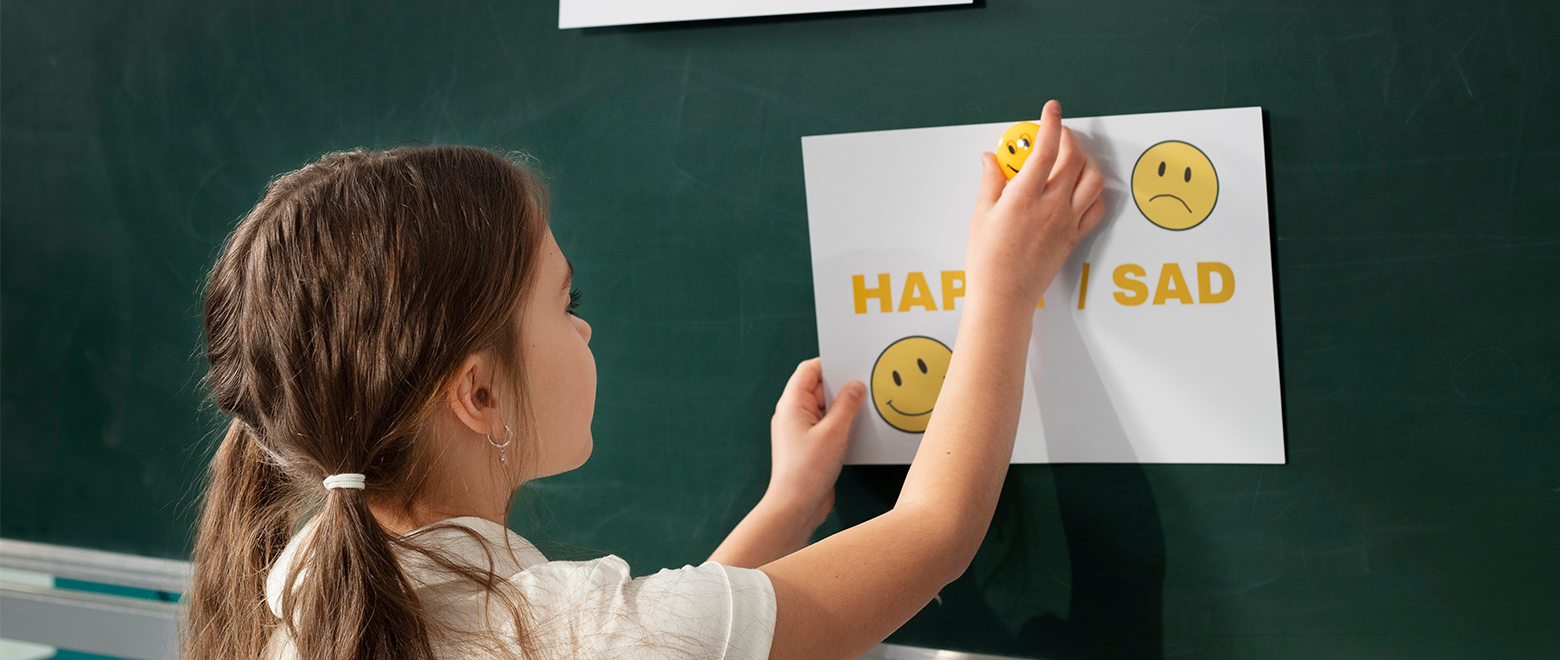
{"x":1415,"y":176}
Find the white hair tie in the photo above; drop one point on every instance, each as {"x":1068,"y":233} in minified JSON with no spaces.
{"x":344,"y":480}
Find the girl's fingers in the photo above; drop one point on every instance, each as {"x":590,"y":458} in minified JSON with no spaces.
{"x":991,"y":182}
{"x":1069,"y":164}
{"x":846,"y":403}
{"x":1092,"y":216}
{"x":1037,"y":168}
{"x":799,"y":388}
{"x":1090,"y":183}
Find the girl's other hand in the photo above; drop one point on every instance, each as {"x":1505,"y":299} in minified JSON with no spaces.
{"x":809,"y":447}
{"x":1022,"y":230}
{"x":809,"y":444}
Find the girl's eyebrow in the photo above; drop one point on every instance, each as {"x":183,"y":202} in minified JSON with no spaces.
{"x":568,"y":278}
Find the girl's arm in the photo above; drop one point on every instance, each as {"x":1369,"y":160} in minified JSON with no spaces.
{"x":808,"y":448}
{"x":844,"y":594}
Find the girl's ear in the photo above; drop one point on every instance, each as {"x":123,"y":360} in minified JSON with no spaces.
{"x":472,"y":396}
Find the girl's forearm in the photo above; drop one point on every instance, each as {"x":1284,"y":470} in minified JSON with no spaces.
{"x":768,"y":532}
{"x":964,"y":454}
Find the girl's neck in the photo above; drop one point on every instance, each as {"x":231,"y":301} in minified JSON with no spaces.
{"x":401,"y":523}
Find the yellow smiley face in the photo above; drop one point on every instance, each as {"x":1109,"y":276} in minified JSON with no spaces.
{"x":906,"y":380}
{"x":1175,"y":185}
{"x":1017,"y":142}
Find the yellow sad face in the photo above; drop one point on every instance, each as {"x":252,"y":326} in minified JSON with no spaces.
{"x":906,"y":380}
{"x":1175,"y":185}
{"x":1017,"y":142}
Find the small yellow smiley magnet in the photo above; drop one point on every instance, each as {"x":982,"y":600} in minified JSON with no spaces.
{"x":1017,"y":142}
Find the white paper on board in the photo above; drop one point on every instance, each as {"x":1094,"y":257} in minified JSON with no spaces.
{"x":1182,"y":376}
{"x":600,"y":13}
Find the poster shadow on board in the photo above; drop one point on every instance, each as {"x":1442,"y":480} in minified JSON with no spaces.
{"x":1114,"y":564}
{"x":1116,"y":548}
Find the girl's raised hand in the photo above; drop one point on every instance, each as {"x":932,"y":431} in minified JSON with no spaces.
{"x":1022,"y":230}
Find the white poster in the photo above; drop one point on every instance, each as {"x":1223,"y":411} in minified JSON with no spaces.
{"x":598,"y":13}
{"x":1156,"y":342}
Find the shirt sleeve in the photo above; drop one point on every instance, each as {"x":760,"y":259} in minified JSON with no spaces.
{"x":710,"y":611}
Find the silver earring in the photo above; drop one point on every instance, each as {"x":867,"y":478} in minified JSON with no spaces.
{"x":510,"y":437}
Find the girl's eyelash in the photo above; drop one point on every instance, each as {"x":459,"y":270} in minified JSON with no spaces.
{"x":574,"y":300}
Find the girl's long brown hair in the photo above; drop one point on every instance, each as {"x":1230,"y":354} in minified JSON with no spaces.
{"x":337,"y":313}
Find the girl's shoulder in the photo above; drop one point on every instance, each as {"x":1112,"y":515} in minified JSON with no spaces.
{"x":710,"y":610}
{"x":715,"y":611}
{"x":469,"y":540}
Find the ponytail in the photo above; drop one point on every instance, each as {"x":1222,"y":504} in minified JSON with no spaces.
{"x":243,"y":528}
{"x":354,"y":601}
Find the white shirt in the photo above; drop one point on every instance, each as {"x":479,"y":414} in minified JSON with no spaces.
{"x":581,"y":608}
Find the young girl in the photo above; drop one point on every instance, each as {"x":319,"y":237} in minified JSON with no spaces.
{"x":394,"y":336}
